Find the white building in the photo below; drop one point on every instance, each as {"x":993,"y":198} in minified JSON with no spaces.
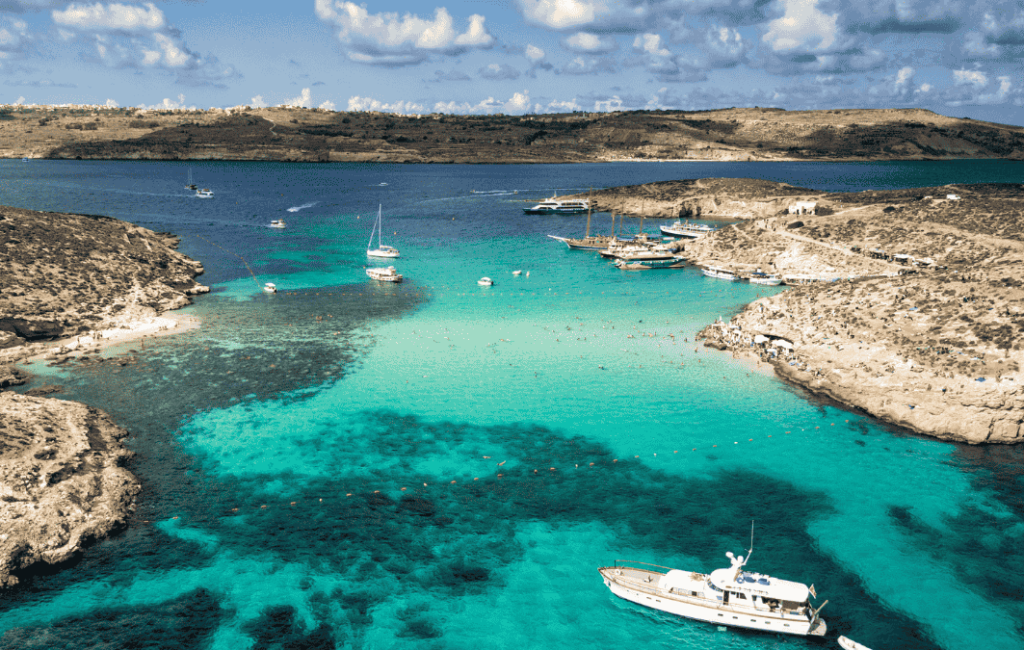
{"x":803,"y":207}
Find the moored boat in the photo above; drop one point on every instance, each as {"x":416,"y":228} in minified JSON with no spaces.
{"x":687,"y":229}
{"x":593,"y":243}
{"x":849,"y":644}
{"x":730,"y":596}
{"x":278,"y":223}
{"x":270,"y":287}
{"x":384,"y":274}
{"x":720,"y":273}
{"x":382,"y":250}
{"x":759,"y":277}
{"x":204,"y":193}
{"x":485,"y":281}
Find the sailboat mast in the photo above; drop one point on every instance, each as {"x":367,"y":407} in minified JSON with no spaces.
{"x":380,"y":225}
{"x":588,"y":213}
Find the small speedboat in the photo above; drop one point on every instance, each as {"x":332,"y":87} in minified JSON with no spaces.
{"x":204,"y":194}
{"x":485,"y":282}
{"x":517,"y":272}
{"x":270,"y":287}
{"x":277,"y":223}
{"x":387,"y":274}
{"x":850,"y":644}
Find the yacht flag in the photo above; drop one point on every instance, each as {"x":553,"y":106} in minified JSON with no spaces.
{"x":813,"y":593}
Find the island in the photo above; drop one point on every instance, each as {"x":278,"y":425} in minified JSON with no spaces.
{"x":319,"y":135}
{"x":907,"y":304}
{"x":71,"y":284}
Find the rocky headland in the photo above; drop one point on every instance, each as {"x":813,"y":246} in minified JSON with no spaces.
{"x":69,"y":282}
{"x":317,"y":135}
{"x":914,"y":304}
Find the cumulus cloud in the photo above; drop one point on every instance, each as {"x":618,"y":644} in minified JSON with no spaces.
{"x":14,"y":39}
{"x":119,"y":17}
{"x":328,"y":105}
{"x":393,"y":40}
{"x":589,"y":43}
{"x":168,"y":104}
{"x":304,"y":99}
{"x":518,"y":104}
{"x":975,"y":78}
{"x":904,"y":16}
{"x":499,"y":72}
{"x":357,"y":103}
{"x":562,"y":14}
{"x":130,"y":36}
{"x":973,"y":88}
{"x":534,"y":53}
{"x":258,"y":102}
{"x":802,"y":26}
{"x":584,"y":66}
{"x":111,"y":104}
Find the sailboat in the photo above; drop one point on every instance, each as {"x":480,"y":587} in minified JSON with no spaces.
{"x":381,"y":250}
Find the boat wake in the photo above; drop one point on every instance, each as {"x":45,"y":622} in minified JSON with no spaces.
{"x":301,"y":207}
{"x":494,"y":192}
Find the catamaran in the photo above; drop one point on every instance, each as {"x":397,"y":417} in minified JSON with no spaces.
{"x":381,"y":250}
{"x":731,"y":596}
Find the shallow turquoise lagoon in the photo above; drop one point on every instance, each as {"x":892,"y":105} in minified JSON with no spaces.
{"x":441,"y":465}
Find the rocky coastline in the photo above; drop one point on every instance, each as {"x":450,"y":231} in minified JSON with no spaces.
{"x":910,"y":304}
{"x":72,"y":283}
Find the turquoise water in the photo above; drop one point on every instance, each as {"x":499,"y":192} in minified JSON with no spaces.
{"x":437,"y":464}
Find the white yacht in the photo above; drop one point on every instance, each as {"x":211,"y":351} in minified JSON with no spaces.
{"x":731,"y":596}
{"x":687,"y":229}
{"x":720,"y":273}
{"x":270,"y":287}
{"x":381,"y":250}
{"x":204,"y":194}
{"x":485,"y":281}
{"x":559,"y":206}
{"x":388,"y":274}
{"x":278,"y":223}
{"x":760,"y":277}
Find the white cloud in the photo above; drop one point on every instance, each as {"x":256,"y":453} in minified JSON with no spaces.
{"x":555,"y":106}
{"x":498,"y":72}
{"x":650,"y":44}
{"x":111,"y":17}
{"x":369,"y":104}
{"x":904,"y":79}
{"x":257,"y":102}
{"x":611,"y":105}
{"x":304,"y":99}
{"x":168,"y":104}
{"x":328,"y":105}
{"x":587,"y":42}
{"x":562,"y":14}
{"x":19,"y":101}
{"x":390,"y":39}
{"x":534,"y":53}
{"x":802,"y":26}
{"x":519,"y":103}
{"x":976,"y":78}
{"x":923,"y":88}
{"x":111,"y":104}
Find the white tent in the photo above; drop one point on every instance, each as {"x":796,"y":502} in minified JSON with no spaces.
{"x":760,"y":338}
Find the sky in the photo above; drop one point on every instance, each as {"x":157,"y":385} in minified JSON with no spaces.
{"x":962,"y":58}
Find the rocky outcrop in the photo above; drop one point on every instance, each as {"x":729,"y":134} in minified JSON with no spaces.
{"x":62,"y":481}
{"x":66,"y":274}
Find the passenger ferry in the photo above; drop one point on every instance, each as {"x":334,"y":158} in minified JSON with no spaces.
{"x":559,"y":206}
{"x":760,"y":277}
{"x":687,"y":229}
{"x":720,"y":273}
{"x":731,"y":596}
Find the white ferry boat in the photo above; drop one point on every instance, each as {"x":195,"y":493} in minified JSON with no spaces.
{"x":730,"y":596}
{"x":559,"y":206}
{"x":687,"y":229}
{"x":388,"y":274}
{"x":720,"y":273}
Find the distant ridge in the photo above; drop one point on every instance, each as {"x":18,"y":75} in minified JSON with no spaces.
{"x":315,"y":135}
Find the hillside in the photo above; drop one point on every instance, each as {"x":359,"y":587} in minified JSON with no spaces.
{"x":295,"y":134}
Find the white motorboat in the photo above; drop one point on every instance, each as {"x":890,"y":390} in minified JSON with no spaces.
{"x":720,"y":273}
{"x":731,"y":596}
{"x":849,"y":644}
{"x":388,"y":274}
{"x":278,"y":223}
{"x":687,"y":229}
{"x":485,"y":282}
{"x":270,"y":287}
{"x":204,"y":193}
{"x":381,"y":250}
{"x":759,"y":277}
{"x":517,"y":273}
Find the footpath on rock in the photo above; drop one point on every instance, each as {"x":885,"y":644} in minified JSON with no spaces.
{"x":70,"y":283}
{"x":908,"y":304}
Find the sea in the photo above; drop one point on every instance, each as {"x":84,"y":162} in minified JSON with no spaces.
{"x":436,"y":464}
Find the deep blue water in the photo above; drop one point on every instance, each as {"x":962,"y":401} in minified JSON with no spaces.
{"x":321,"y":466}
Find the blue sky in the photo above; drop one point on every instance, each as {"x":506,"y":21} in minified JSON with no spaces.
{"x":956,"y":57}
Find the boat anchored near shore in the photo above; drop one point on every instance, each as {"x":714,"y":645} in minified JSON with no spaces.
{"x":730,"y":596}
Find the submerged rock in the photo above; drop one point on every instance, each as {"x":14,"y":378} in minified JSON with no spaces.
{"x":62,"y":483}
